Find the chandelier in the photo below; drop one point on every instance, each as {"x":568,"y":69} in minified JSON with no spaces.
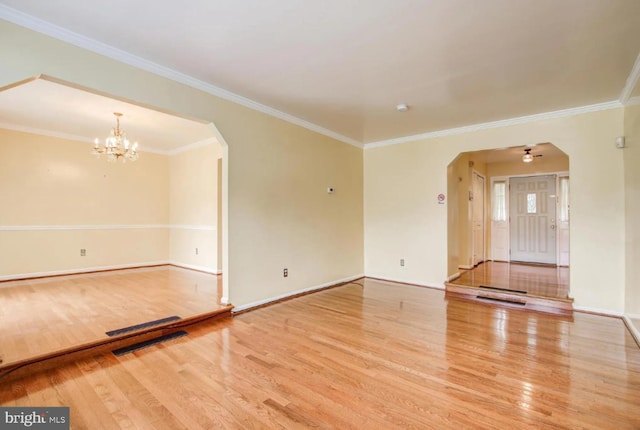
{"x":116,"y":146}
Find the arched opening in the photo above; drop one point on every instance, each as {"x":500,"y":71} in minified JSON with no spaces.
{"x":508,"y":220}
{"x":89,"y":248}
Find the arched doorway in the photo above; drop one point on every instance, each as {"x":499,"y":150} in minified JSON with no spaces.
{"x":509,"y":220}
{"x":73,"y":214}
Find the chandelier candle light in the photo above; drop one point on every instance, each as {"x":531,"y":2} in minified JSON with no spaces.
{"x":116,"y":146}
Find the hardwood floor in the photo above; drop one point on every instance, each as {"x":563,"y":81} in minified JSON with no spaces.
{"x":534,"y":280}
{"x":41,"y":316}
{"x":380,"y":355}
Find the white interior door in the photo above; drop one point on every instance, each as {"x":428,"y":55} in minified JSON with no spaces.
{"x":478,"y":230}
{"x":533,"y":219}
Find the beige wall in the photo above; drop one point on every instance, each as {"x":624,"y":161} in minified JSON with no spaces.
{"x":31,"y":253}
{"x":632,"y":207}
{"x":459,"y":211}
{"x":279,"y":214}
{"x":58,"y":198}
{"x":193,"y":207}
{"x":452,"y":205}
{"x":463,"y":171}
{"x":403,"y":217}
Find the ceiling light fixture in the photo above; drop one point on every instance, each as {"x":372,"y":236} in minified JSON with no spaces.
{"x":402,"y":107}
{"x":528,"y":156}
{"x":116,"y":146}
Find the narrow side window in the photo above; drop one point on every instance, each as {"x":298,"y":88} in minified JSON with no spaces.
{"x":563,"y":216}
{"x":499,"y":201}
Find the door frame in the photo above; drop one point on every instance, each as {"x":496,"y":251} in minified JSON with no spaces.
{"x":559,"y":174}
{"x":484,"y":219}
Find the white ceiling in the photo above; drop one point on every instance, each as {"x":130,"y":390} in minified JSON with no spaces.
{"x":515,"y":153}
{"x":344,"y":64}
{"x":46,"y":107}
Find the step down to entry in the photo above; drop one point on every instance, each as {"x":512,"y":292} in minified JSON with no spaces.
{"x":516,"y":299}
{"x":506,"y":290}
{"x":140,"y":345}
{"x":143,"y":325}
{"x":506,"y":300}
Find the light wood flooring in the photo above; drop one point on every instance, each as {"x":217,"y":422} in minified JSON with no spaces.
{"x":376,"y":356}
{"x":534,"y":280}
{"x":42,"y":316}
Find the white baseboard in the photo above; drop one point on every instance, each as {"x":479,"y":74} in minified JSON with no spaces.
{"x":454,"y":277}
{"x":605,"y":312}
{"x":294,"y":293}
{"x":407,"y":281}
{"x":82,"y":270}
{"x":632,"y":328}
{"x":194,"y":267}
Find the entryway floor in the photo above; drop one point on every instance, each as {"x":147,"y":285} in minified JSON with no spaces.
{"x":532,"y":279}
{"x":41,"y":317}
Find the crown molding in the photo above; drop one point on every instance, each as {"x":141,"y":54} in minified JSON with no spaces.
{"x":41,"y":132}
{"x":633,"y":101}
{"x":632,"y":81}
{"x":497,"y":124}
{"x":83,"y":139}
{"x":67,"y":136}
{"x":63,"y":34}
{"x":60,"y":33}
{"x":193,"y":145}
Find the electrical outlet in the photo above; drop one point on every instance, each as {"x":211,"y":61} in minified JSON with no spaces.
{"x":402,"y":262}
{"x":196,"y":251}
{"x":285,"y":273}
{"x":83,"y":252}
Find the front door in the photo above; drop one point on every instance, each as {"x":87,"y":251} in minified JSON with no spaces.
{"x":533,"y":219}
